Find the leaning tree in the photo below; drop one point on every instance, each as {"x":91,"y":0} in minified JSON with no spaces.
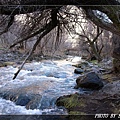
{"x":104,"y":13}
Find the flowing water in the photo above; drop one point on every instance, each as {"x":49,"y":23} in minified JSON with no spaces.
{"x":51,"y":79}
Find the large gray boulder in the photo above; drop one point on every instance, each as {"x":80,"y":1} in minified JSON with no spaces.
{"x":29,"y":100}
{"x":90,"y":80}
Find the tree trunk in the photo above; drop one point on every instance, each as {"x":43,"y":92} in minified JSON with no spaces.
{"x":96,"y":54}
{"x":116,"y":53}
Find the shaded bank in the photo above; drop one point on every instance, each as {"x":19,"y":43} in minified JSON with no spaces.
{"x":106,"y":100}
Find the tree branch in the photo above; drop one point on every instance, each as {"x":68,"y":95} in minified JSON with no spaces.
{"x":85,"y":36}
{"x":30,"y":36}
{"x":107,"y":26}
{"x":98,"y":34}
{"x":50,"y":26}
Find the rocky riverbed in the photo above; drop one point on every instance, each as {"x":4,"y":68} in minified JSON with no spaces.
{"x":41,"y":84}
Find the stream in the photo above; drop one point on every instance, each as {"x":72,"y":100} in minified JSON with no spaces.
{"x":50,"y":79}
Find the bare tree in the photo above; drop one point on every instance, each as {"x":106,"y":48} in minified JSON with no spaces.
{"x":106,"y":17}
{"x":95,"y":51}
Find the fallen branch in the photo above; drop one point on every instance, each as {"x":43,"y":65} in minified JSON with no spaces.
{"x":47,"y":30}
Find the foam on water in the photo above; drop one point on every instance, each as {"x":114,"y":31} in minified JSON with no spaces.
{"x":51,"y":79}
{"x":9,"y":108}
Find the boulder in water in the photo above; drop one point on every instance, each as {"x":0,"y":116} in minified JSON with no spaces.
{"x":90,"y":80}
{"x":35,"y":101}
{"x":78,"y":71}
{"x":23,"y":100}
{"x":31,"y":101}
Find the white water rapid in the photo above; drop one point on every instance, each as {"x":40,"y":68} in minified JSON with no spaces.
{"x":51,"y":79}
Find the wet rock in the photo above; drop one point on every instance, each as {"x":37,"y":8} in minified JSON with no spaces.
{"x":30,"y":101}
{"x":78,"y":71}
{"x":23,"y":100}
{"x":9,"y":96}
{"x":90,"y":80}
{"x":34,"y":102}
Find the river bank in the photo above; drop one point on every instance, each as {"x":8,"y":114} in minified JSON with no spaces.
{"x":55,"y":79}
{"x":36,"y":88}
{"x":103,"y":101}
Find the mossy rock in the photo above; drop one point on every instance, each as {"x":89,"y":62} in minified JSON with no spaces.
{"x":95,"y":62}
{"x":70,"y":102}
